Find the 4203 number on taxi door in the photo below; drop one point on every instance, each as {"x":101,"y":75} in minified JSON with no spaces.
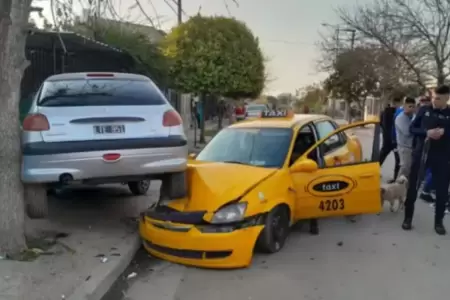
{"x":332,"y":205}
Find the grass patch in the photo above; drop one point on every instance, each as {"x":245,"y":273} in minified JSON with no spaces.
{"x":41,"y":246}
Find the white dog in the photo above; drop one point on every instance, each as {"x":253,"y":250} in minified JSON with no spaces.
{"x":395,"y":193}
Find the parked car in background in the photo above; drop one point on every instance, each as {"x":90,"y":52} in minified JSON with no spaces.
{"x":254,"y":110}
{"x":240,"y":111}
{"x":95,"y":128}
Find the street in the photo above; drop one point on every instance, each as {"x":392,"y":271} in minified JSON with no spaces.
{"x":371,"y":259}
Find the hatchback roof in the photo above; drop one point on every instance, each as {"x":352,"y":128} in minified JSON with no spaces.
{"x":109,"y":75}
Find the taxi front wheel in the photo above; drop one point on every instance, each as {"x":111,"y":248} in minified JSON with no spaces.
{"x":275,"y":232}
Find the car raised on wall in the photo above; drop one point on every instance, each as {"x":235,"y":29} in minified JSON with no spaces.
{"x":96,"y":128}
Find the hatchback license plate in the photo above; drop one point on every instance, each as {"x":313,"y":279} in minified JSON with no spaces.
{"x":109,"y":129}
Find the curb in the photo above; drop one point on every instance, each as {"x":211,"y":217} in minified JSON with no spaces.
{"x":103,"y":277}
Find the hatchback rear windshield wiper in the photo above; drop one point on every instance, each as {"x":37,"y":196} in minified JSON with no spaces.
{"x":78,"y":95}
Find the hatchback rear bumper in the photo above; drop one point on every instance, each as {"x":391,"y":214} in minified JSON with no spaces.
{"x":47,"y":162}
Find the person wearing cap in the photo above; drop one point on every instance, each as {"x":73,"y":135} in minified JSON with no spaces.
{"x":434,"y":142}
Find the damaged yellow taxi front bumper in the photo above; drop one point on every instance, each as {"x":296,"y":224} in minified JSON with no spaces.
{"x":208,"y":246}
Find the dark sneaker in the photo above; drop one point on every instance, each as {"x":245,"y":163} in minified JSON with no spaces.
{"x":440,"y":229}
{"x":407,"y":224}
{"x":427,"y":197}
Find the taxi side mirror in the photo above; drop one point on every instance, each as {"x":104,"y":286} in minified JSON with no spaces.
{"x":192,"y":155}
{"x":304,"y":165}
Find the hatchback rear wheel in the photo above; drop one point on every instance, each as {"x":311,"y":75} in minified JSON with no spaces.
{"x":140,"y":187}
{"x":36,"y":201}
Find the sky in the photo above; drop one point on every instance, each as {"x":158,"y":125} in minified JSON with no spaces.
{"x":288,"y":30}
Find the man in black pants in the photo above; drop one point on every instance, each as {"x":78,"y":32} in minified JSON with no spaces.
{"x":433,"y":140}
{"x":389,"y":144}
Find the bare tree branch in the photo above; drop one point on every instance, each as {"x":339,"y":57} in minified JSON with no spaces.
{"x":417,"y":32}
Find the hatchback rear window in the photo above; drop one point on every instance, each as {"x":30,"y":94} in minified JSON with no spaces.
{"x":100,"y":92}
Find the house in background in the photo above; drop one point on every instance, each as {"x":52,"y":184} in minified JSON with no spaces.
{"x":337,"y":108}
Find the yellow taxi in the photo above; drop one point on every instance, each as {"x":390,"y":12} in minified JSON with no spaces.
{"x":254,"y":180}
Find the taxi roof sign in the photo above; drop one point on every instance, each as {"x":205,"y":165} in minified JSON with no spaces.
{"x":277,"y":114}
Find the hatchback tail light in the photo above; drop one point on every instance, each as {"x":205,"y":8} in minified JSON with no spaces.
{"x":35,"y":122}
{"x":171,"y":118}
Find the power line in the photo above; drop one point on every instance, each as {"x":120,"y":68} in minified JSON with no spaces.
{"x":291,"y":42}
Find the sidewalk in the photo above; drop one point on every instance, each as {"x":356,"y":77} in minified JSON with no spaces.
{"x":210,"y":128}
{"x":93,"y":232}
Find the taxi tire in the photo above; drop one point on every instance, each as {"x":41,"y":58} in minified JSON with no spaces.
{"x":266,"y":242}
{"x":174,"y":186}
{"x":140,"y":187}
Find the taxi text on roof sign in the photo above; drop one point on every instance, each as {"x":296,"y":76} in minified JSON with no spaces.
{"x":276,"y":114}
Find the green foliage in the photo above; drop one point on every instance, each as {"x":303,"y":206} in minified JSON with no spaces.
{"x":272,"y":101}
{"x":314,"y":96}
{"x":215,"y":55}
{"x":354,"y":77}
{"x":284,"y":99}
{"x":150,"y":60}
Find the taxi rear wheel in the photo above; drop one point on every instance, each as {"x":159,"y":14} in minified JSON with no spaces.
{"x":275,"y":232}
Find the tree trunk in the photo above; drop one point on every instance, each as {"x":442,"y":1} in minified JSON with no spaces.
{"x":440,"y":77}
{"x":13,"y":18}
{"x":202,"y":119}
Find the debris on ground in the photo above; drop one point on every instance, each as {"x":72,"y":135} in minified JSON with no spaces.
{"x":340,"y":244}
{"x":132,"y":275}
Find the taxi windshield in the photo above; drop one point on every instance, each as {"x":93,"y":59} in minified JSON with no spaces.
{"x":261,"y":147}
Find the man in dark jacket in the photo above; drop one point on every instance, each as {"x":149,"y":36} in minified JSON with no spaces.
{"x":431,"y":128}
{"x":387,"y":127}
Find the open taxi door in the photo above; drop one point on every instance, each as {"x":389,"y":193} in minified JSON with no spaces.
{"x":352,"y":188}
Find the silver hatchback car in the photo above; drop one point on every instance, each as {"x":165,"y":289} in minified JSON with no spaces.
{"x":95,"y":128}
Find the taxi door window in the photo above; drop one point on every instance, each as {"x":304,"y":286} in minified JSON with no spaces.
{"x":324,"y":128}
{"x":305,"y":139}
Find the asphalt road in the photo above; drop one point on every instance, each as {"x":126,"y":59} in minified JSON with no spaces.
{"x":371,"y":259}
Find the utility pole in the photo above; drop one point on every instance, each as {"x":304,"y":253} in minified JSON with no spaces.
{"x":338,"y":30}
{"x":333,"y":103}
{"x":353,"y":39}
{"x":180,"y":11}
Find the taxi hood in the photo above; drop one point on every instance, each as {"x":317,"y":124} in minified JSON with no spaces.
{"x":212,"y":185}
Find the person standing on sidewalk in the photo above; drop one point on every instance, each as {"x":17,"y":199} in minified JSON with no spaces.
{"x":387,"y":125}
{"x":403,"y":136}
{"x":435,"y":125}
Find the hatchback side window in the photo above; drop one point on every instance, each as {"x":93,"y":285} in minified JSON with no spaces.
{"x":324,"y":128}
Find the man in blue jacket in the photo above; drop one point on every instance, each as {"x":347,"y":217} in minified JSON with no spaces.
{"x":431,"y":128}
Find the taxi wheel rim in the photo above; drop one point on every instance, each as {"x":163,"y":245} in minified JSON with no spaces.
{"x":279,"y":228}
